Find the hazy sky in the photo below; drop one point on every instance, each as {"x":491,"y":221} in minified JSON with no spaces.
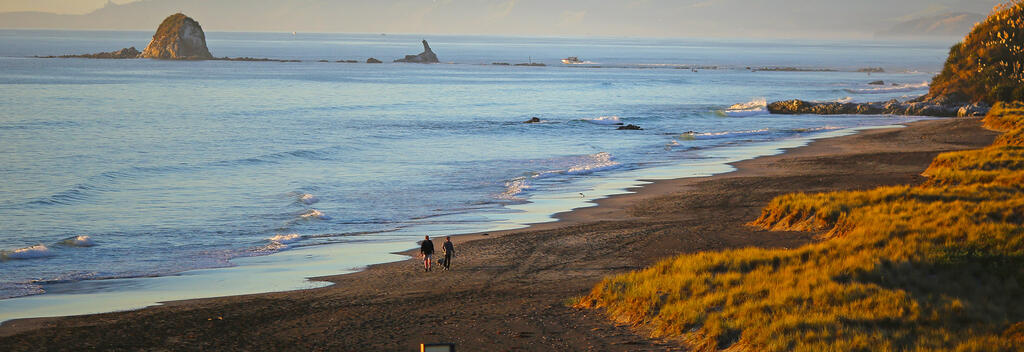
{"x":657,"y":18}
{"x":71,"y":7}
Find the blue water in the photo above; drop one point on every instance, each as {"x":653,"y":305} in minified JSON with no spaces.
{"x":175,"y":166}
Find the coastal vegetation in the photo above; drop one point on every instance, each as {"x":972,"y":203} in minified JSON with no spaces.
{"x":938,"y":266}
{"x":988,"y":65}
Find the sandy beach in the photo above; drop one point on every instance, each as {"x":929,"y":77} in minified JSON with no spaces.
{"x":508,"y":290}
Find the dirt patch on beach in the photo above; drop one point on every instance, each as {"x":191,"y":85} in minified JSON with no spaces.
{"x":507,"y":291}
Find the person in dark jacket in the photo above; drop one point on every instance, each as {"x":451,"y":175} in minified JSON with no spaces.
{"x":449,"y":252}
{"x":427,"y":252}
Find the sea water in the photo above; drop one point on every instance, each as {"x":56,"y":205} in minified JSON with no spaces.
{"x":128,"y":182}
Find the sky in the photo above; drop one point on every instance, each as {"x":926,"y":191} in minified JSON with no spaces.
{"x":647,"y":18}
{"x":64,"y":7}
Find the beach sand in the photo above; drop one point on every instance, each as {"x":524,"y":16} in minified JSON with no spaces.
{"x":508,"y":290}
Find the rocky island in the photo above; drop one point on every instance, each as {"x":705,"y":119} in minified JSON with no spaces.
{"x":426,"y":57}
{"x":179,"y":37}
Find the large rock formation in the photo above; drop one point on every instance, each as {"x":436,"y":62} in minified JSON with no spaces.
{"x":426,"y":57}
{"x":179,"y":37}
{"x":988,"y":65}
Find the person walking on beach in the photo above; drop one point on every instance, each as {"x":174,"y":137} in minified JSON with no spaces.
{"x":449,"y":252}
{"x":427,"y":251}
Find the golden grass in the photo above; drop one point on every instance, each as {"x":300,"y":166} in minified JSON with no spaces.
{"x":927,"y":268}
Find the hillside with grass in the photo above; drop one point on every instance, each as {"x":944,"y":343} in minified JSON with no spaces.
{"x":988,"y":65}
{"x":933,"y":267}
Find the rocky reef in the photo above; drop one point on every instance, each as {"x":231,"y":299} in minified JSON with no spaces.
{"x":126,"y":53}
{"x":892,"y":107}
{"x":426,"y":57}
{"x":179,"y":37}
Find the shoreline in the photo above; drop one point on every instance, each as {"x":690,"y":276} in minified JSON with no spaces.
{"x":645,"y":208}
{"x":78,"y":298}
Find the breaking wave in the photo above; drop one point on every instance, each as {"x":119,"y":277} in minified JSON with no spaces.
{"x":579,"y":165}
{"x":604,"y":120}
{"x":315,"y":214}
{"x":754,"y":107}
{"x":514,"y":187}
{"x":890,"y":89}
{"x":285,"y":239}
{"x":32,"y":252}
{"x":308,"y":199}
{"x":78,"y":241}
{"x":730,"y":134}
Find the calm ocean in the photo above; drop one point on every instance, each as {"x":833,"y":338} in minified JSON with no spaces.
{"x":119,"y":176}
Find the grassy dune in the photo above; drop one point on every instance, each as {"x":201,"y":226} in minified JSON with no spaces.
{"x":933,"y":267}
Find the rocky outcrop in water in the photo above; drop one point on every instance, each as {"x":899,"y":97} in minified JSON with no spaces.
{"x":126,"y":53}
{"x":373,"y":61}
{"x":630,"y":127}
{"x":892,"y":107}
{"x":426,"y":57}
{"x":179,"y":37}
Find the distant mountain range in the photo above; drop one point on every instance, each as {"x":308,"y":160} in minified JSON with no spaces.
{"x":947,"y":25}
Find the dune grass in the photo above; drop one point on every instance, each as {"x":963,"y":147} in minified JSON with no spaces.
{"x":925,"y":268}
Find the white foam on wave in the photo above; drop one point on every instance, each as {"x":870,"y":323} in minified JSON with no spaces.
{"x":285,"y":239}
{"x":514,"y":187}
{"x":308,"y":199}
{"x":730,"y":134}
{"x":78,"y":241}
{"x":593,"y":163}
{"x":890,"y":89}
{"x":314,"y":214}
{"x":754,"y":107}
{"x":577,"y":165}
{"x":816,"y":129}
{"x":604,"y":120}
{"x":18,"y":289}
{"x":32,"y":252}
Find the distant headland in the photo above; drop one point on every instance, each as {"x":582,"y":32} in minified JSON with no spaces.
{"x":986,"y":67}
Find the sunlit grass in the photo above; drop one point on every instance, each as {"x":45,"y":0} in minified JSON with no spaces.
{"x":926,"y":268}
{"x":988,"y":65}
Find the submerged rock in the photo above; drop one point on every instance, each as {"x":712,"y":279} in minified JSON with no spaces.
{"x":426,"y":57}
{"x":179,"y":37}
{"x":877,"y":83}
{"x":373,"y":61}
{"x":533,"y":120}
{"x":630,"y":127}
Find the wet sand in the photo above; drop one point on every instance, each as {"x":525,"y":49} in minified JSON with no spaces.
{"x":508,"y":290}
